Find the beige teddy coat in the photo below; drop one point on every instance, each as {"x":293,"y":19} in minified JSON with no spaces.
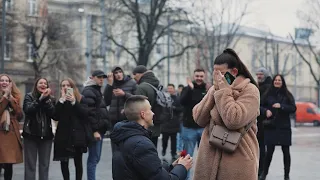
{"x":234,"y":106}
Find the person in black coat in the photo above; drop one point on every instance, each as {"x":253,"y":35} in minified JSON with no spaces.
{"x":171,"y":127}
{"x":278,"y":103}
{"x":135,"y":155}
{"x":72,"y":135}
{"x":98,"y":119}
{"x":38,"y":107}
{"x":265,"y":82}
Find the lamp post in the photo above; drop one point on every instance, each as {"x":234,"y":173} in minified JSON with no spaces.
{"x":3,"y":39}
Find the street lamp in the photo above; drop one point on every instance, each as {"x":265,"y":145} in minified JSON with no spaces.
{"x":3,"y":39}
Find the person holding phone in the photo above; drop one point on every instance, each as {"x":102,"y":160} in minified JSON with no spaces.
{"x":73,"y":131}
{"x":233,"y":102}
{"x":10,"y":112}
{"x":38,"y":107}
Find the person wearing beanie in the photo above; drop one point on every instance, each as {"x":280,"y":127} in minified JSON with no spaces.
{"x":119,"y":88}
{"x":143,"y":76}
{"x":265,"y":81}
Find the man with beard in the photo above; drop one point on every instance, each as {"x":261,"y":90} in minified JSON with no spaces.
{"x":265,"y":82}
{"x":143,"y":77}
{"x":119,"y":88}
{"x":190,"y":96}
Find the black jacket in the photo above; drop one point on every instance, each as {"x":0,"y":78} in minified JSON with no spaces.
{"x":38,"y":115}
{"x":263,"y":87}
{"x":279,"y":133}
{"x":98,"y":118}
{"x":136,"y":157}
{"x":73,"y":130}
{"x":189,"y":98}
{"x":146,"y":90}
{"x":128,"y":85}
{"x":173,"y":125}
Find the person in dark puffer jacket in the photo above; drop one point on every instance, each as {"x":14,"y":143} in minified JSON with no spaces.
{"x":135,"y":155}
{"x":98,"y":118}
{"x":119,"y":88}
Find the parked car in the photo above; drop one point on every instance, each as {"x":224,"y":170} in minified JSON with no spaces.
{"x":307,"y":113}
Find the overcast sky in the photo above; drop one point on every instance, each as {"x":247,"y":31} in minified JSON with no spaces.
{"x":278,"y":15}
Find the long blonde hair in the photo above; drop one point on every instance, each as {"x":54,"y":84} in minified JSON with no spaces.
{"x":76,"y":92}
{"x":15,"y":92}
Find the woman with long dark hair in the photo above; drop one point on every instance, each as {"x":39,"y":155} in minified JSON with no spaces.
{"x":233,"y":103}
{"x":71,"y":136}
{"x":278,"y":104}
{"x":11,"y":112}
{"x":38,"y":107}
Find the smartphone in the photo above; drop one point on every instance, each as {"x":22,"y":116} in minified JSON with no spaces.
{"x":229,"y":77}
{"x":70,"y":91}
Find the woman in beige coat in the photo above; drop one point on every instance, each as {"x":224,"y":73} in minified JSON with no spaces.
{"x":233,"y":106}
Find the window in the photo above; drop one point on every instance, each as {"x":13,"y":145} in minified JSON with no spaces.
{"x":29,"y":46}
{"x":32,"y":7}
{"x":7,"y":49}
{"x":9,"y":5}
{"x":310,"y":111}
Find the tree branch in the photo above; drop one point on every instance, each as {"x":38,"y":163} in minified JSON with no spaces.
{"x":172,"y":56}
{"x":306,"y":61}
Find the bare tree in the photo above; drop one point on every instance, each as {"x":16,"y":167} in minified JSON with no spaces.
{"x":218,"y":28}
{"x":52,"y":46}
{"x":271,"y":54}
{"x":150,"y":22}
{"x":312,"y":29}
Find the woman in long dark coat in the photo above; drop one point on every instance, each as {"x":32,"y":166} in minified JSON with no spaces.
{"x":278,"y":104}
{"x":71,"y":139}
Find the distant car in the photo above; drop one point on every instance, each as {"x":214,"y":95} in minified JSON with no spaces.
{"x":307,"y":113}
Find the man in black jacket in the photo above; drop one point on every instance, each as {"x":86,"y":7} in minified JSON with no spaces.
{"x":190,"y":96}
{"x":119,"y":88}
{"x":171,"y":127}
{"x":265,"y":82}
{"x":142,"y":77}
{"x":98,"y":119}
{"x":135,"y":155}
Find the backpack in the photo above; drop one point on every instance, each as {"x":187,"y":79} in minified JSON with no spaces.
{"x":163,"y":105}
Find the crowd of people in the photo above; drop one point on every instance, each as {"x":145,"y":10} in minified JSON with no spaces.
{"x":129,"y":107}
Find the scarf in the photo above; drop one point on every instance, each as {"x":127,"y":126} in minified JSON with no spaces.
{"x":5,"y":120}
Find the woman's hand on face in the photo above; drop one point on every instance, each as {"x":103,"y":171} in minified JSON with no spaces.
{"x":63,"y":93}
{"x":46,"y":93}
{"x":220,"y":80}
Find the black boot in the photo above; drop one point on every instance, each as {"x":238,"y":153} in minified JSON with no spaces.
{"x":286,"y":178}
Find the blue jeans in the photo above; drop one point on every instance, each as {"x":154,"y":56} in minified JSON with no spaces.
{"x":179,"y":139}
{"x":93,"y":159}
{"x":191,"y":136}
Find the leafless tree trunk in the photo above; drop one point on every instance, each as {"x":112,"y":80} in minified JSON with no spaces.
{"x":150,"y":23}
{"x":310,"y":18}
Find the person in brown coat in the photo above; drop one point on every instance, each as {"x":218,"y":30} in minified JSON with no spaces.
{"x":233,"y":105}
{"x":11,"y":112}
